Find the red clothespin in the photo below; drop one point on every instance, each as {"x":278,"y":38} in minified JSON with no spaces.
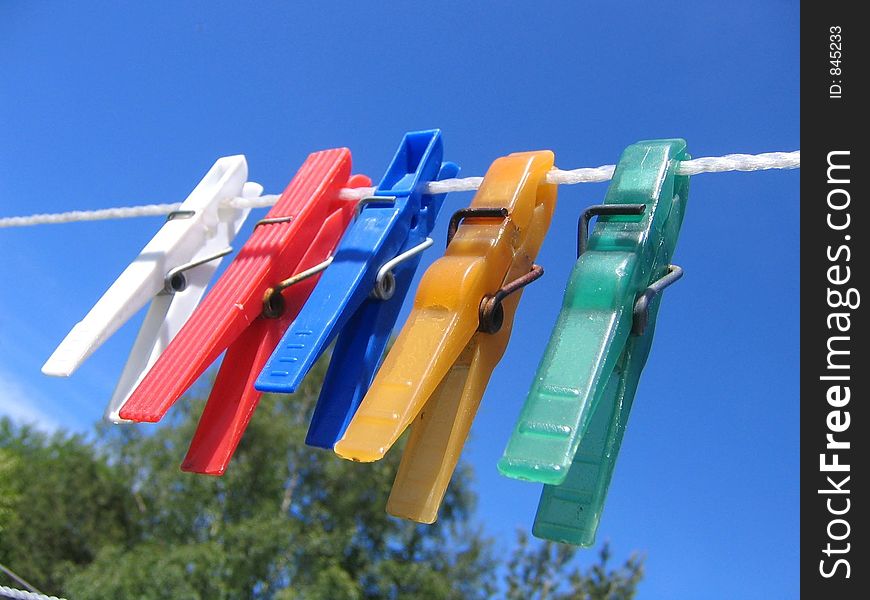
{"x":249,"y":308}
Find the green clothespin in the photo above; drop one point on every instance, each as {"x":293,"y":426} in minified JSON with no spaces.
{"x":571,"y":426}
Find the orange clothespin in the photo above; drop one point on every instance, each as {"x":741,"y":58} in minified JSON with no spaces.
{"x":458,"y":329}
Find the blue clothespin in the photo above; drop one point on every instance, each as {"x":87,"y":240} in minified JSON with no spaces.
{"x":359,"y":296}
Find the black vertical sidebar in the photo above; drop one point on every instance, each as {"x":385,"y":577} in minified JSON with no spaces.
{"x":835,"y":228}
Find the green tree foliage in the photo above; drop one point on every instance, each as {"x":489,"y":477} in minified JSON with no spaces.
{"x":545,"y":572}
{"x":114,"y":517}
{"x":9,"y":496}
{"x":60,"y":503}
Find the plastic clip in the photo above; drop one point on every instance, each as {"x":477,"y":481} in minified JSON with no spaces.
{"x":300,"y":232}
{"x":171,"y":273}
{"x":570,"y":429}
{"x":359,"y":298}
{"x":436,"y":373}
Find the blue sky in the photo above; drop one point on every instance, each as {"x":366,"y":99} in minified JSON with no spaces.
{"x":109,"y":104}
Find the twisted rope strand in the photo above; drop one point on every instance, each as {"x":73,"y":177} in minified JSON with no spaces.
{"x":695,"y":166}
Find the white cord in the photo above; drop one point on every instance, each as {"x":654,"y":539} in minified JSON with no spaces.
{"x":695,"y":166}
{"x":73,"y":216}
{"x":741,"y":162}
{"x":8,"y":592}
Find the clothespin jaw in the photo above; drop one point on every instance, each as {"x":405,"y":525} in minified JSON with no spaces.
{"x":570,"y":512}
{"x":359,"y":297}
{"x":233,"y":399}
{"x":274,"y":251}
{"x":571,"y":426}
{"x":438,"y":369}
{"x":361,"y":344}
{"x":171,"y":308}
{"x":171,"y":272}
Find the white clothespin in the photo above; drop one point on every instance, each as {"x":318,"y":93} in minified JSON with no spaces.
{"x":172,"y":272}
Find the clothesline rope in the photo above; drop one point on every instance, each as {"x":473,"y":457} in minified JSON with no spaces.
{"x":8,"y":592}
{"x":696,"y":166}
